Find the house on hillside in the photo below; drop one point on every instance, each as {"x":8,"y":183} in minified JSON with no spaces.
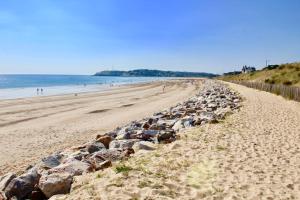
{"x":248,"y":69}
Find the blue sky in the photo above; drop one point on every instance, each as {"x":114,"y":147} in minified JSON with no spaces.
{"x":86,"y":36}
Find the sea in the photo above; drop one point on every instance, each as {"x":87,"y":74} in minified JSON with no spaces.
{"x":22,"y":86}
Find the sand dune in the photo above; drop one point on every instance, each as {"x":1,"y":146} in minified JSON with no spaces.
{"x":32,"y":128}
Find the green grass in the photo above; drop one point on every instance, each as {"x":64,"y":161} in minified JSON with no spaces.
{"x":122,"y":168}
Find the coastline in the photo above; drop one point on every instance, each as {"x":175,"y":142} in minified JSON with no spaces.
{"x":32,"y":128}
{"x":30,"y":92}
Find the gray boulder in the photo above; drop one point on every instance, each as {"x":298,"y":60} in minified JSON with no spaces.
{"x":208,"y":117}
{"x":51,"y":161}
{"x":178,"y":125}
{"x":73,"y":167}
{"x":111,"y":154}
{"x":122,"y":144}
{"x":95,"y":146}
{"x":57,"y":183}
{"x":151,"y":133}
{"x":23,"y":185}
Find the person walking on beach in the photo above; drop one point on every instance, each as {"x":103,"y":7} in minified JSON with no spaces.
{"x":37,"y":91}
{"x":164,"y":87}
{"x":42,"y":91}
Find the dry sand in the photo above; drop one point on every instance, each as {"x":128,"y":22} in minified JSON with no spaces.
{"x":32,"y":128}
{"x":253,"y":154}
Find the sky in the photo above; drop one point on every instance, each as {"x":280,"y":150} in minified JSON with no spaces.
{"x":86,"y":36}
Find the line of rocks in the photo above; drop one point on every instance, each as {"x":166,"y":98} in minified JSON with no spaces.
{"x":54,"y":174}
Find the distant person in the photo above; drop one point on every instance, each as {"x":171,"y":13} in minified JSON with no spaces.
{"x":37,"y":91}
{"x":164,"y":87}
{"x":42,"y":90}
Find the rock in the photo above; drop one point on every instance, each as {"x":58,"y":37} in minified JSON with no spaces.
{"x":103,"y":165}
{"x":187,"y":124}
{"x":208,"y":117}
{"x":56,"y":183}
{"x":144,"y":145}
{"x":127,"y":152}
{"x":178,"y":125}
{"x":50,"y":161}
{"x":146,"y":125}
{"x":5,"y":180}
{"x":95,"y":146}
{"x":22,"y":185}
{"x":105,"y":139}
{"x":98,"y":161}
{"x":151,"y":121}
{"x":157,"y":126}
{"x":112,"y":134}
{"x":111,"y":154}
{"x":166,"y":136}
{"x":197,"y":121}
{"x":212,"y":106}
{"x":151,"y":133}
{"x":141,"y":136}
{"x":178,"y":114}
{"x":125,"y":133}
{"x":78,"y":155}
{"x":236,"y":100}
{"x":167,"y":123}
{"x":73,"y":167}
{"x":122,"y":144}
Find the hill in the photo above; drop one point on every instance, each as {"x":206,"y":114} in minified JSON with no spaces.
{"x":284,"y":74}
{"x":154,"y":73}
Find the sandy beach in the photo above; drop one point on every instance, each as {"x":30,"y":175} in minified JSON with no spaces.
{"x":253,"y":154}
{"x":32,"y":128}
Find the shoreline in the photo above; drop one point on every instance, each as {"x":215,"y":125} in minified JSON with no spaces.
{"x":59,"y":90}
{"x":32,"y":128}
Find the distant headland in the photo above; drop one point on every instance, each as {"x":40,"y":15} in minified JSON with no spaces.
{"x":154,"y":73}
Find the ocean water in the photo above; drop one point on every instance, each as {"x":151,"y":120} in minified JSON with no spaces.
{"x":21,"y":86}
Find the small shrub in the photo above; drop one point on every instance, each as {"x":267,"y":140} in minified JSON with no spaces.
{"x":99,"y":175}
{"x":287,"y":82}
{"x":122,"y":169}
{"x":220,"y":148}
{"x":270,"y":81}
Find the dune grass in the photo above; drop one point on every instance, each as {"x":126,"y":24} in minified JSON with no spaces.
{"x":285,"y":74}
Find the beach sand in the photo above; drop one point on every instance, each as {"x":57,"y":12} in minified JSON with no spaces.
{"x":33,"y":128}
{"x":253,"y":154}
